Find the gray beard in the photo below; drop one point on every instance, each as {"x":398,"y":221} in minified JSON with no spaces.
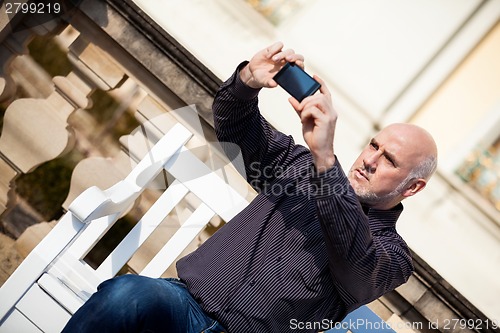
{"x":370,"y":199}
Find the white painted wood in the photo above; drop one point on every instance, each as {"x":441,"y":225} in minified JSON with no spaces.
{"x":37,"y":261}
{"x":102,"y":208}
{"x":89,"y":237}
{"x":17,"y":322}
{"x":76,"y":274}
{"x":206,"y":185}
{"x":143,"y":229}
{"x":60,"y":292}
{"x":155,"y":159}
{"x":93,"y":203}
{"x":179,"y":241}
{"x":42,"y":310}
{"x":70,"y":267}
{"x":69,"y":280}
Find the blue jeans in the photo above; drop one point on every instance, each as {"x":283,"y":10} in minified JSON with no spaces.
{"x":132,"y":303}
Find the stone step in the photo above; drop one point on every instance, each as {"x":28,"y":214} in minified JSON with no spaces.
{"x":13,"y":252}
{"x":9,"y":257}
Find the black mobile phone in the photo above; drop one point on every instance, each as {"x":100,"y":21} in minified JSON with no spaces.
{"x":296,"y":81}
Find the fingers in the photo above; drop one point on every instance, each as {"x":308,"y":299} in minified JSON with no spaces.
{"x":307,"y":110}
{"x":271,"y":83}
{"x":317,"y":105}
{"x":295,"y":104}
{"x":288,"y":55}
{"x":313,"y":114}
{"x":323,"y":100}
{"x":299,"y":62}
{"x":271,"y":50}
{"x":266,"y":63}
{"x":276,"y":53}
{"x":323,"y":89}
{"x":319,"y":101}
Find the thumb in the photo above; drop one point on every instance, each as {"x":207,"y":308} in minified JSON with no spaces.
{"x":271,"y":83}
{"x":295,"y":104}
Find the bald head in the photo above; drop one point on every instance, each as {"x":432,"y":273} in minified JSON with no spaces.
{"x":396,"y":164}
{"x":420,"y":147}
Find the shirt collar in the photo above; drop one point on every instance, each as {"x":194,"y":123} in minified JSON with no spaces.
{"x":383,"y":219}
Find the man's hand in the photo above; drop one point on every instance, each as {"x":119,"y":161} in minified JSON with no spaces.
{"x":319,"y":119}
{"x":259,"y":72}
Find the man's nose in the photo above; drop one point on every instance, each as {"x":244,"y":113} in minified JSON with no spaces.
{"x":370,"y":161}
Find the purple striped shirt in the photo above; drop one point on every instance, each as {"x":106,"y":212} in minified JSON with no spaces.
{"x":304,"y":250}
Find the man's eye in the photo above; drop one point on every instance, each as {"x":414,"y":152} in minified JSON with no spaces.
{"x":374,"y":145}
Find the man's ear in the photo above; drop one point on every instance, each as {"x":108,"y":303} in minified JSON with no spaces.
{"x":414,"y":187}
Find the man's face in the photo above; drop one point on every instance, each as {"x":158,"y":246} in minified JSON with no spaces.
{"x":378,"y":176}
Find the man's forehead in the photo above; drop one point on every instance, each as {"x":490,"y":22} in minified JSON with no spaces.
{"x":400,"y":144}
{"x":385,"y":143}
{"x":395,"y":135}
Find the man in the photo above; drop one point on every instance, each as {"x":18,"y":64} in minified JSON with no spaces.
{"x":314,"y":245}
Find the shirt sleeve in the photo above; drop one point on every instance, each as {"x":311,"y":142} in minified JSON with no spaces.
{"x":365,"y":264}
{"x":240,"y":128}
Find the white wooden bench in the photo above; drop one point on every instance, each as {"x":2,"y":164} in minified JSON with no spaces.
{"x":54,"y":280}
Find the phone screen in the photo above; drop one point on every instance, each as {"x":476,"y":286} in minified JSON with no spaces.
{"x":296,"y":82}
